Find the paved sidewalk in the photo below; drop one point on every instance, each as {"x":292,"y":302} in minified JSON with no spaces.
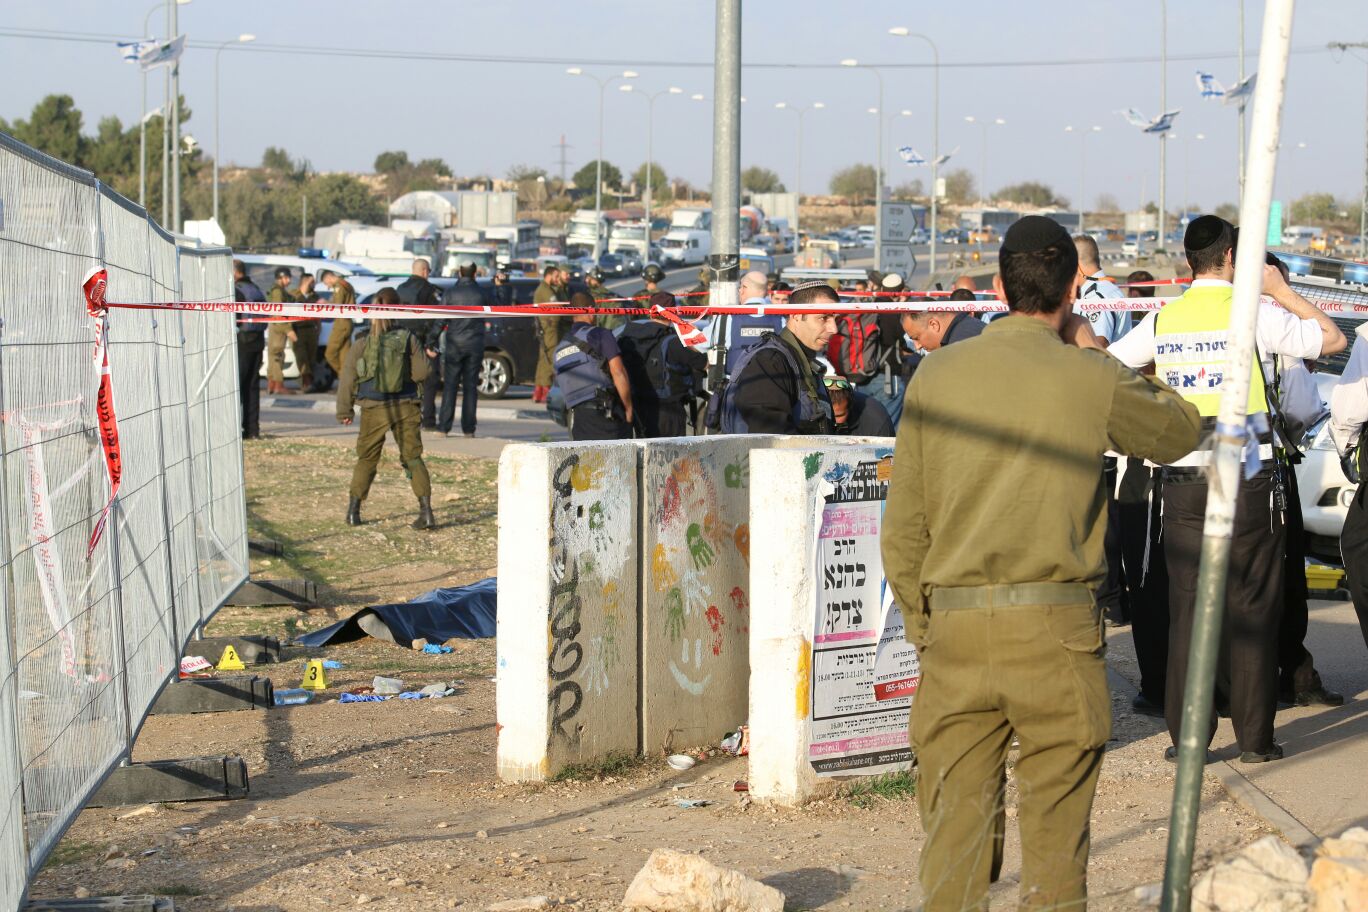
{"x":1320,"y":788}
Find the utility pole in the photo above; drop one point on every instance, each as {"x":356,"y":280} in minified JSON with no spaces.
{"x":562,"y":161}
{"x":724,"y":261}
{"x":1163,"y":137}
{"x":166,"y":130}
{"x":1363,"y":205}
{"x":175,"y":125}
{"x":1240,"y":201}
{"x":304,"y":220}
{"x":1229,"y":440}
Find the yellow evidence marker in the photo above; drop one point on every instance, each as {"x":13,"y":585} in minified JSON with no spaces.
{"x":230,"y":661}
{"x":314,"y":678}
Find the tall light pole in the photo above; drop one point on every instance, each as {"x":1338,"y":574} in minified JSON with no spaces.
{"x":173,"y":10}
{"x":142,"y":123}
{"x":800,"y":110}
{"x":240,"y":39}
{"x":650,"y":159}
{"x":724,"y":260}
{"x":1163,"y":137}
{"x":902,"y":32}
{"x":985,"y":123}
{"x":598,"y":170}
{"x":1082,"y":165}
{"x":1363,"y":205}
{"x":878,"y":164}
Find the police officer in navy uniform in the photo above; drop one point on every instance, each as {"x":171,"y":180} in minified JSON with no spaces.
{"x":778,"y":385}
{"x":665,"y":374}
{"x":741,"y":331}
{"x":590,"y":373}
{"x":251,"y":339}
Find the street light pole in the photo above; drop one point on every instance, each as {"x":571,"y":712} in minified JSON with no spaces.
{"x":166,"y":133}
{"x":724,"y":260}
{"x":1363,"y":205}
{"x":598,"y":169}
{"x":1082,"y":166}
{"x":983,"y":163}
{"x":902,"y":32}
{"x":175,"y":124}
{"x":650,"y":152}
{"x":1163,"y":141}
{"x":240,"y":39}
{"x":878,"y":164}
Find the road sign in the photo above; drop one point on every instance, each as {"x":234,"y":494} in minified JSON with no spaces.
{"x":898,"y":258}
{"x":900,"y":221}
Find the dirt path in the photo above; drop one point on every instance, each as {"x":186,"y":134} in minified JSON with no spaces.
{"x":395,"y":805}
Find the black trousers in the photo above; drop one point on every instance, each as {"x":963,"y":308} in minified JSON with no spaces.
{"x":251,"y":347}
{"x":1354,"y":551}
{"x":588,"y":422}
{"x":1139,"y":509}
{"x":430,"y":386}
{"x":461,"y":370}
{"x":1112,"y":597}
{"x":1296,"y":669}
{"x":660,"y":419}
{"x":1247,"y":670}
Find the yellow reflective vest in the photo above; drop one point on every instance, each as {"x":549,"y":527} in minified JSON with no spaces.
{"x":1191,"y":338}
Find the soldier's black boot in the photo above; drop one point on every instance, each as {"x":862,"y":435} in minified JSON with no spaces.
{"x":425,"y":518}
{"x":354,"y":511}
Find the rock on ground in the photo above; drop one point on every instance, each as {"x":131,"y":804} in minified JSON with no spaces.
{"x":526,"y":904}
{"x":1340,"y":884}
{"x":676,"y":882}
{"x":1352,"y":843}
{"x":1268,"y":876}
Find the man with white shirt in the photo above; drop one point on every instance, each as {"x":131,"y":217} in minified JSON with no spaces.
{"x":1095,"y":285}
{"x":1187,"y":343}
{"x":1348,"y":419}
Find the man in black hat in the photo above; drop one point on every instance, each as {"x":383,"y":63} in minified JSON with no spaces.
{"x":1186,"y":343}
{"x":993,"y":544}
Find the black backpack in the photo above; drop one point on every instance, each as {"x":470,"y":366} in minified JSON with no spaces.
{"x":644,"y":356}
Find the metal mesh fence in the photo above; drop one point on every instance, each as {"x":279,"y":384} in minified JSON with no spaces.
{"x":88,"y":639}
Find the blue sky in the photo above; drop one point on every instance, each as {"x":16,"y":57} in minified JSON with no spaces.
{"x":486,"y":116}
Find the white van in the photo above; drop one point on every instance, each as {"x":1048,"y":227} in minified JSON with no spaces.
{"x":1300,"y":237}
{"x":685,"y":247}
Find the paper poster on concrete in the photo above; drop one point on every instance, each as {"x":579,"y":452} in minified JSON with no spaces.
{"x":861,"y":693}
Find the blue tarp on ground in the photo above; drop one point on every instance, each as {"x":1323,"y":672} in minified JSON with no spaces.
{"x":464,"y":612}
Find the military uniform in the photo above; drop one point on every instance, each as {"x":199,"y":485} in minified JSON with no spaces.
{"x":305,"y":348}
{"x":609,"y":322}
{"x":548,"y":334}
{"x":993,"y":544}
{"x":339,"y":337}
{"x":385,"y":413}
{"x":277,"y":335}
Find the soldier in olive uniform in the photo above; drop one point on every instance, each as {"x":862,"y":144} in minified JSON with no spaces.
{"x":386,"y":411}
{"x":306,"y":335}
{"x":278,"y":334}
{"x":339,"y":337}
{"x":600,"y":292}
{"x":548,"y":333}
{"x":993,"y":544}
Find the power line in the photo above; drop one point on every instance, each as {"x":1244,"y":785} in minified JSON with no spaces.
{"x":409,"y":55}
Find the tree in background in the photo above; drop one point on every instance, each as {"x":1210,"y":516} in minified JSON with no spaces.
{"x":522,"y":173}
{"x":54,"y":127}
{"x":1314,"y":209}
{"x":855,"y":183}
{"x":405,"y":176}
{"x":909,"y":191}
{"x":1107,"y":203}
{"x":960,"y":186}
{"x":756,"y":179}
{"x":1031,"y":193}
{"x":584,"y":178}
{"x":279,"y":161}
{"x":660,"y":183}
{"x":1228,"y":211}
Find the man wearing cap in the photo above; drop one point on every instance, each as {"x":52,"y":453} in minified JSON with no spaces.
{"x":778,"y":386}
{"x":992,"y":544}
{"x":1186,"y":343}
{"x":279,"y":333}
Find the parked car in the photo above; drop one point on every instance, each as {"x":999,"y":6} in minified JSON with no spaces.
{"x":613,"y":264}
{"x":631,"y":261}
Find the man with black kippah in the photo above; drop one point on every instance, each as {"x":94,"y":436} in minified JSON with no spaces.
{"x":993,"y":545}
{"x":1186,"y":342}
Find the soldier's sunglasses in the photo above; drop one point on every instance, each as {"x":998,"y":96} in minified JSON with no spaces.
{"x":837,"y":383}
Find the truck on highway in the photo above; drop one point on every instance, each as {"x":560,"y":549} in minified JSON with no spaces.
{"x":685,"y":246}
{"x":630,"y":235}
{"x":694,"y":219}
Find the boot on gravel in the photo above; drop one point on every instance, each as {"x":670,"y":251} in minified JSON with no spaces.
{"x":425,"y":520}
{"x":354,"y":511}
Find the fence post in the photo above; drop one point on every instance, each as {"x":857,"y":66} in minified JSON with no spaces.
{"x":167,"y":526}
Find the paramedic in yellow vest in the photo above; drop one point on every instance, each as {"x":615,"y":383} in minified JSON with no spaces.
{"x":1187,"y":343}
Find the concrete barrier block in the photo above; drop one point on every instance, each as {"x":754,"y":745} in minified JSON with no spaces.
{"x":797,"y":574}
{"x":568,"y":589}
{"x":695,"y":599}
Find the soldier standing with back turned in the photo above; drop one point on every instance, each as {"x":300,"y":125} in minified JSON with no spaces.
{"x":992,"y":542}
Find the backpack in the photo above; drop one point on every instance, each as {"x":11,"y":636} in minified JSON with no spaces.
{"x":384,"y":362}
{"x":645,"y":357}
{"x":858,"y":350}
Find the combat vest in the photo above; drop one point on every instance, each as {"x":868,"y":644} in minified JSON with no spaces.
{"x":744,"y":332}
{"x":646,"y":356}
{"x":1191,"y":337}
{"x":383,"y":369}
{"x":581,"y":372}
{"x":811,"y":415}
